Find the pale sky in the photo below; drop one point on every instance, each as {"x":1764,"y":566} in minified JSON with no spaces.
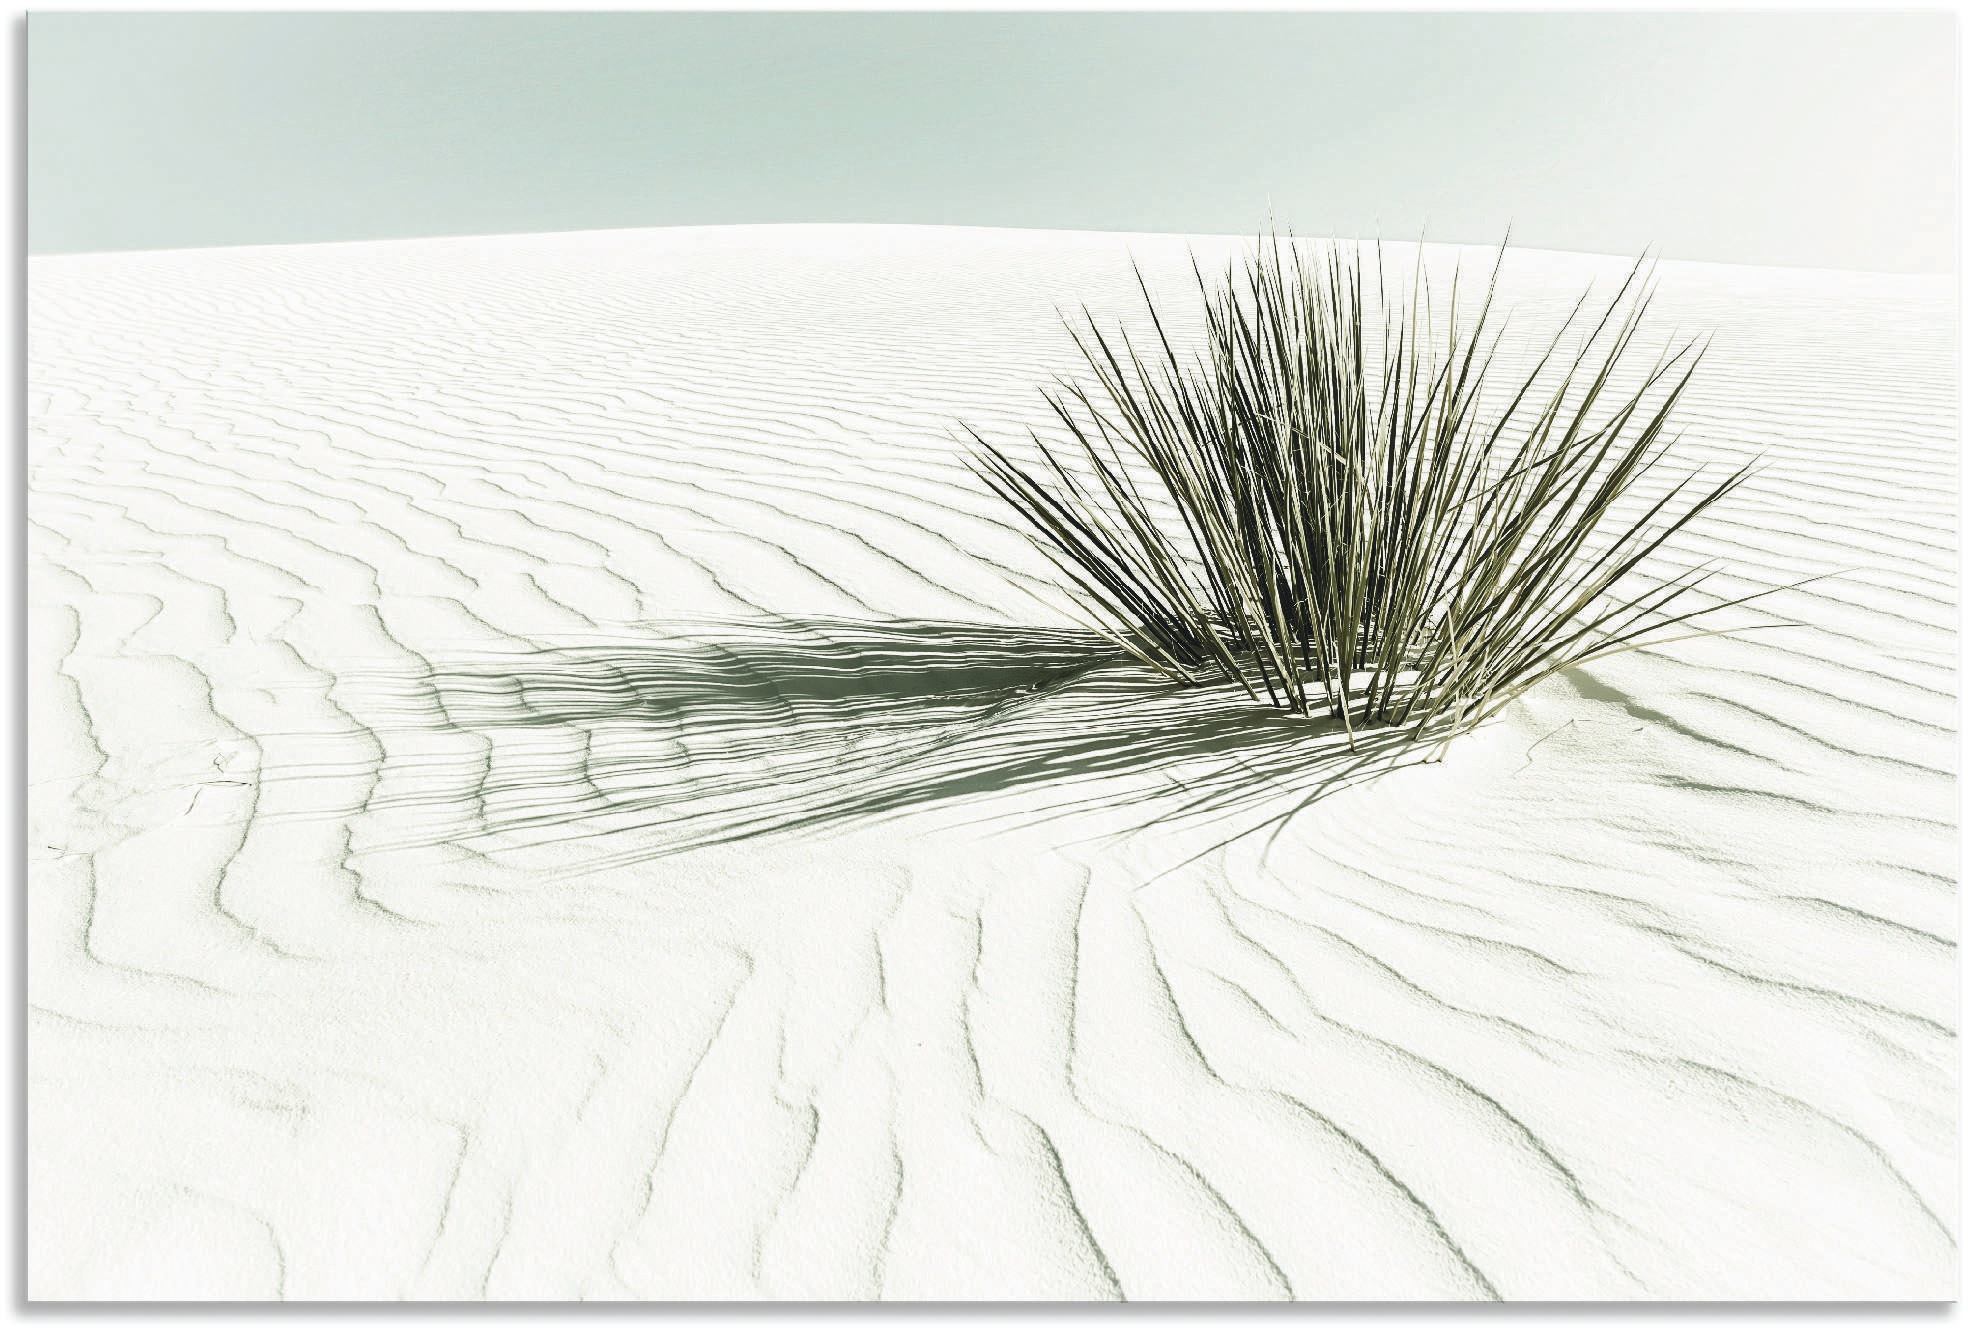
{"x":1810,"y":139}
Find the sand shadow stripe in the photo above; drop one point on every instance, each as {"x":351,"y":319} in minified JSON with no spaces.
{"x":730,"y":730}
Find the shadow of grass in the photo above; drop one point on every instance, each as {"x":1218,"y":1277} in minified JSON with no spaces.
{"x":721,"y":732}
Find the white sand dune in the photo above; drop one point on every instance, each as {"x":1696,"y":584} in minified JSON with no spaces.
{"x":545,"y":781}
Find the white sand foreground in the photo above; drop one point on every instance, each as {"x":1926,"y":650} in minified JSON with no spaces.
{"x":544,"y":782}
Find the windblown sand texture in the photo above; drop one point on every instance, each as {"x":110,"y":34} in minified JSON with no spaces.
{"x":546,"y":781}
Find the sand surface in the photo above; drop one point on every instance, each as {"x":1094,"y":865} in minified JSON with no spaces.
{"x":546,"y":781}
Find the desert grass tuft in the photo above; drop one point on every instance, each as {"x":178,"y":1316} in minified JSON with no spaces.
{"x":1383,"y":533}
